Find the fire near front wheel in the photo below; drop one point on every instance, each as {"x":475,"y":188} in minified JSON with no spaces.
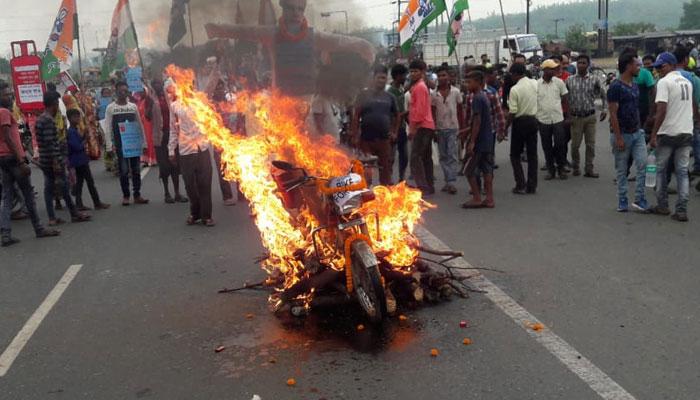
{"x":368,"y":282}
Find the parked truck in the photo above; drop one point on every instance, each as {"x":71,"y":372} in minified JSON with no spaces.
{"x":435,"y":49}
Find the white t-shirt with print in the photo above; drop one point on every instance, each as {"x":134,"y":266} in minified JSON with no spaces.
{"x":677,"y":93}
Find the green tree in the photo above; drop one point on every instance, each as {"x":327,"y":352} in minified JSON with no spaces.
{"x":691,"y":15}
{"x":633,"y":28}
{"x":4,"y":65}
{"x":576,"y":38}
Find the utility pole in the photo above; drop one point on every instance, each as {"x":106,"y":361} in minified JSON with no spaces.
{"x":527,"y":16}
{"x":556,"y":26}
{"x":602,"y":28}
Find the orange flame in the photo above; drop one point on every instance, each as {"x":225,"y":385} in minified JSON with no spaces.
{"x":247,"y":161}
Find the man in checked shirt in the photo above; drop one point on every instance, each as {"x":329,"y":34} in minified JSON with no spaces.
{"x":583,"y":89}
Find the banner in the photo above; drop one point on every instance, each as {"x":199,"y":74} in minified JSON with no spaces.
{"x":455,"y":28}
{"x":58,"y":55}
{"x":123,"y":46}
{"x":417,"y":16}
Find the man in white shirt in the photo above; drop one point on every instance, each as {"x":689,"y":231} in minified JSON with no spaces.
{"x":194,"y":160}
{"x":447,"y":111}
{"x":672,"y":134}
{"x":551,"y":93}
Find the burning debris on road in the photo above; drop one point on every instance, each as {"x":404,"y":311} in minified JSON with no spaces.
{"x":330,"y":240}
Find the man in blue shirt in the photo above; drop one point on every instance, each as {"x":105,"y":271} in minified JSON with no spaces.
{"x":481,"y":145}
{"x":627,"y":137}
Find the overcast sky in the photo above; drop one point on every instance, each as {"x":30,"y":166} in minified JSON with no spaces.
{"x":32,"y":19}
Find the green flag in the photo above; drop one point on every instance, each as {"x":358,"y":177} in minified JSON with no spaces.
{"x":455,"y":27}
{"x":418,"y":15}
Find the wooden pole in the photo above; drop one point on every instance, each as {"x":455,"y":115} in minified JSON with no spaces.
{"x":189,"y":18}
{"x":505,"y":28}
{"x":76,"y":30}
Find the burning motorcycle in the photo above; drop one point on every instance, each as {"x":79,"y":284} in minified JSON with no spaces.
{"x":341,"y":256}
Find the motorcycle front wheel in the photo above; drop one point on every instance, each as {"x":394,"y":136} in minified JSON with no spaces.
{"x":367,"y":281}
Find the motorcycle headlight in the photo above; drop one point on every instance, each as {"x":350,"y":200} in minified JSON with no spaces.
{"x":350,"y":205}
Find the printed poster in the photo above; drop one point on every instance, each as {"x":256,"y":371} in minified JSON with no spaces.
{"x":132,"y":139}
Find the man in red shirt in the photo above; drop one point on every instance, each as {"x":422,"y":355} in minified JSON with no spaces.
{"x":13,"y":164}
{"x":421,"y":129}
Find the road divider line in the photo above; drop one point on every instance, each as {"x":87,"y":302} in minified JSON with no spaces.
{"x":145,"y":171}
{"x":10,"y":354}
{"x":588,"y":372}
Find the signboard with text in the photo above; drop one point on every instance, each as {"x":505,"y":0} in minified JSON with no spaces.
{"x":26,"y":77}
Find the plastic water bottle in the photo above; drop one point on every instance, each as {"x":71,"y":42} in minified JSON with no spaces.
{"x":650,"y":179}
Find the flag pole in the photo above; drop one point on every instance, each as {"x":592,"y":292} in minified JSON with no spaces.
{"x":505,"y":29}
{"x":76,"y":31}
{"x":136,"y":36}
{"x":189,"y":18}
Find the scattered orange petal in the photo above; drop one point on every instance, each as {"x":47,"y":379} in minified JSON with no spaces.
{"x":434,"y":352}
{"x":467,"y":341}
{"x":291,"y":382}
{"x":537,"y":327}
{"x":360,"y":327}
{"x":249,"y":316}
{"x":403,"y":318}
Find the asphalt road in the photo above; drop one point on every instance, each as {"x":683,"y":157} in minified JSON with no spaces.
{"x":142,"y":317}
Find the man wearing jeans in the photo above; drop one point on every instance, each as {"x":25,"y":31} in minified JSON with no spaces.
{"x":122,"y":119}
{"x":447,"y":110}
{"x":52,"y":162}
{"x":14,"y":170}
{"x":673,"y":134}
{"x":421,"y":129}
{"x":551,"y":101}
{"x":627,"y":137}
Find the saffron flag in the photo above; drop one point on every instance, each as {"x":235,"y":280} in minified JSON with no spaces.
{"x":123,"y":46}
{"x":58,"y":55}
{"x":455,"y":28}
{"x":417,"y":16}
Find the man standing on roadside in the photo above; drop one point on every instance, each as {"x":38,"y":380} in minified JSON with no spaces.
{"x":551,"y":101}
{"x":126,"y":129}
{"x":14,"y":169}
{"x":481,"y":146}
{"x":673,"y":134}
{"x":522,"y":104}
{"x":161,"y":137}
{"x":398,"y":80}
{"x":375,"y":123}
{"x":447,"y":113}
{"x":627,"y":137}
{"x":52,"y":162}
{"x":421,"y":129}
{"x":194,"y":160}
{"x":584,"y":88}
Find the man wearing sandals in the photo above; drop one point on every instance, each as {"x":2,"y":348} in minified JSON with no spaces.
{"x":194,"y":161}
{"x":14,"y":170}
{"x":51,"y":160}
{"x":481,"y":145}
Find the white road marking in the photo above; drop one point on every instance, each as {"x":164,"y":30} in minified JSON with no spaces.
{"x":596,"y":379}
{"x":18,"y":343}
{"x":145,"y":171}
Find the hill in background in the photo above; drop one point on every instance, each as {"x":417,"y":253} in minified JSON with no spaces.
{"x":663,"y":14}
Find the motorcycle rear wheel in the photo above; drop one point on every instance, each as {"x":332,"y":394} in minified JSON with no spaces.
{"x":368,"y":283}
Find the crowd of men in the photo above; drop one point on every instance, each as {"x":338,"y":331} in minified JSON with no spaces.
{"x":652,"y":102}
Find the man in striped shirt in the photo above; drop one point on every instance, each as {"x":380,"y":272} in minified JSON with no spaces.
{"x":52,"y":162}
